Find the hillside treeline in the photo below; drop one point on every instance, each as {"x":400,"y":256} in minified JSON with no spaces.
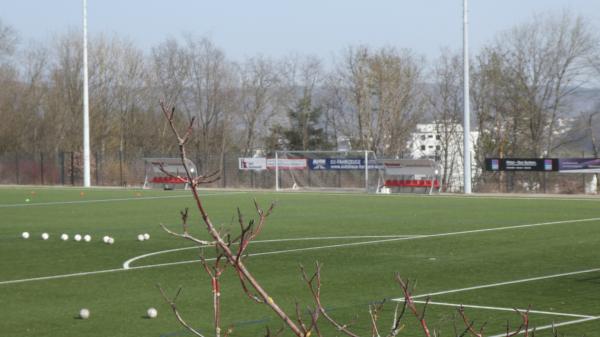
{"x":524,"y":88}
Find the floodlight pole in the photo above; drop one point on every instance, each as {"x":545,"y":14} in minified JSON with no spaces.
{"x":467,"y":114}
{"x":86,"y":110}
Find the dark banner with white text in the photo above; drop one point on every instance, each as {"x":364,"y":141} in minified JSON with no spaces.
{"x":521,"y":164}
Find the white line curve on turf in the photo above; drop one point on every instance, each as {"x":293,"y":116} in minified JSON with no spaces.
{"x":127,"y":264}
{"x":361,"y":243}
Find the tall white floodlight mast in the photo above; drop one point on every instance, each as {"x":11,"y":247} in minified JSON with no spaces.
{"x":86,"y":110}
{"x":467,"y":113}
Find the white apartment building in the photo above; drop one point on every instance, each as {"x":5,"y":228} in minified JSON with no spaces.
{"x":443,"y":142}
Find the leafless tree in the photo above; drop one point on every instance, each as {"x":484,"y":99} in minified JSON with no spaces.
{"x":541,"y":63}
{"x":8,"y":40}
{"x":447,"y":103}
{"x":384,"y":91}
{"x":258,"y":100}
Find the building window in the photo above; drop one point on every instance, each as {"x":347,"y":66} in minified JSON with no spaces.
{"x":422,"y":147}
{"x":430,"y":136}
{"x":438,"y":147}
{"x":423,"y":137}
{"x":437,"y":137}
{"x":431,"y":146}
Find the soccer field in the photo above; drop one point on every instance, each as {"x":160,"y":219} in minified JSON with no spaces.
{"x":491,"y":254}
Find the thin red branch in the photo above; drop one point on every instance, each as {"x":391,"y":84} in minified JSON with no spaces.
{"x":412,"y":307}
{"x":243,"y":272}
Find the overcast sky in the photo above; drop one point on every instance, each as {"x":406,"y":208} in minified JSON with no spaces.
{"x":280,"y":27}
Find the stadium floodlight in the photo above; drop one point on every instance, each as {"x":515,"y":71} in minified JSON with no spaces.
{"x":86,"y":110}
{"x":467,"y":114}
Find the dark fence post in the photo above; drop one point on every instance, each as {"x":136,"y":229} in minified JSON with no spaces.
{"x":72,"y":168}
{"x":42,"y":167}
{"x":224,"y":175}
{"x":121,"y":167}
{"x":17,"y":166}
{"x":61,"y":158}
{"x":97,"y":168}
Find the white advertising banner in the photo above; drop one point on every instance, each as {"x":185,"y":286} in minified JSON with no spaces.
{"x":287,"y":164}
{"x":253,"y":163}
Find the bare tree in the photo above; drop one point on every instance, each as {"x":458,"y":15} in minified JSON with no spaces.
{"x":210,"y":96}
{"x":543,"y":64}
{"x":8,"y":40}
{"x":259,"y":84}
{"x":384,"y":93}
{"x":446,"y":103}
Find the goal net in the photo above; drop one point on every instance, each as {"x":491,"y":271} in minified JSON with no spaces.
{"x":326,"y":170}
{"x":167,"y":173}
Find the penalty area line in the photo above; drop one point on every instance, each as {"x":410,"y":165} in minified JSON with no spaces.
{"x":555,"y":325}
{"x":484,"y":307}
{"x":581,"y":318}
{"x":498,"y":284}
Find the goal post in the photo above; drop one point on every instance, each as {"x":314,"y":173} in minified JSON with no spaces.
{"x":326,"y":170}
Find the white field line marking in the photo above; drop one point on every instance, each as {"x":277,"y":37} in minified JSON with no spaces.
{"x":413,"y":237}
{"x":555,"y":325}
{"x":524,"y":280}
{"x":582,"y":318}
{"x":183,"y":262}
{"x":334,"y":246}
{"x":109,"y":200}
{"x":126,"y":264}
{"x":552,"y":313}
{"x":54,"y":277}
{"x":453,"y":196}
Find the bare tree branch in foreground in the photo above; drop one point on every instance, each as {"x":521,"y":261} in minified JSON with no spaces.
{"x":232,"y":250}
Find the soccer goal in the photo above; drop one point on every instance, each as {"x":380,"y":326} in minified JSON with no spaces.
{"x":325,"y":170}
{"x":167,"y":173}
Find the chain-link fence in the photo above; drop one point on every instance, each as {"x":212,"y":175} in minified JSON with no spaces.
{"x":117,"y":169}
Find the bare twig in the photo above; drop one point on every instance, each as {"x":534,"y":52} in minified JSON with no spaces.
{"x":234,"y":259}
{"x":173,"y":306}
{"x":412,"y":307}
{"x":314,"y":285}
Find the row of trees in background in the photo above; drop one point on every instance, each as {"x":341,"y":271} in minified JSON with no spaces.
{"x":524,"y":86}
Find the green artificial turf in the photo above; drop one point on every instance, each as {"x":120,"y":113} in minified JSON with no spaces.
{"x":439,"y":243}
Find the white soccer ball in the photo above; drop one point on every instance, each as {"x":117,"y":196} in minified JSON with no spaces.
{"x":84,"y":313}
{"x":45,"y":236}
{"x":64,"y":237}
{"x":25,"y":235}
{"x":152,"y":313}
{"x":146,"y":236}
{"x":110,"y":241}
{"x":77,"y":237}
{"x":105,"y":238}
{"x":140,"y":237}
{"x":87,"y":238}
